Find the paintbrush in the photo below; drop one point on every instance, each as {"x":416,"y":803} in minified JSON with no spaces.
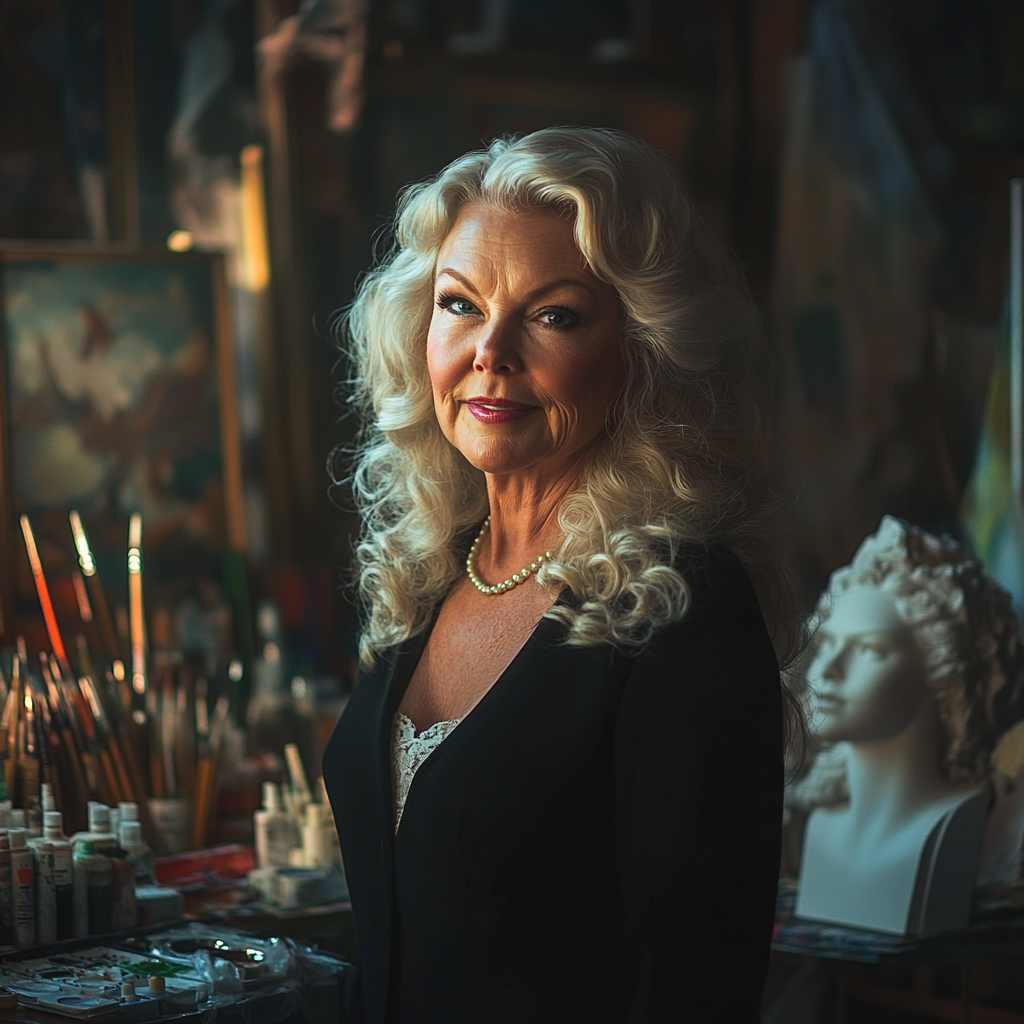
{"x":9,"y":725}
{"x":207,"y":768}
{"x":28,"y":751}
{"x":44,"y":593}
{"x":136,"y":615}
{"x":104,"y":623}
{"x":65,"y":749}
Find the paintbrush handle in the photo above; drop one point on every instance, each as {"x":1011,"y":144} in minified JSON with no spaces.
{"x":201,"y":810}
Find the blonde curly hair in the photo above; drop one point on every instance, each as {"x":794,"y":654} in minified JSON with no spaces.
{"x":966,"y":630}
{"x":689,"y":456}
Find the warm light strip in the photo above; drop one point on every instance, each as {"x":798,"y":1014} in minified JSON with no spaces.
{"x":136,"y":621}
{"x":255,"y":256}
{"x":42,"y":590}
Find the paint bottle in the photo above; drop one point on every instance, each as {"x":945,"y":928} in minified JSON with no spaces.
{"x":63,"y":872}
{"x":98,"y":833}
{"x":94,"y":890}
{"x":46,"y":895}
{"x":276,"y":834}
{"x":23,"y":888}
{"x":123,"y":913}
{"x":312,"y":837}
{"x":6,"y":907}
{"x":139,"y":853}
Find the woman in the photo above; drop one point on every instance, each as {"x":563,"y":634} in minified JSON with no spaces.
{"x":558,"y":781}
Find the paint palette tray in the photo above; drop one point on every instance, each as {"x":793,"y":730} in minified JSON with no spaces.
{"x":87,"y":984}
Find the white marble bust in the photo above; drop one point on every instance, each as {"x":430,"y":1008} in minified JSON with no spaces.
{"x":916,"y":672}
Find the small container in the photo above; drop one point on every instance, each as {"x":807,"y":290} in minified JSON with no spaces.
{"x":139,"y":853}
{"x":63,"y":872}
{"x":276,"y":834}
{"x":94,"y":890}
{"x":46,"y":895}
{"x":6,"y":906}
{"x":23,"y":888}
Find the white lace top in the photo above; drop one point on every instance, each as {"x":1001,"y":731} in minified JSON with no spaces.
{"x":409,"y":751}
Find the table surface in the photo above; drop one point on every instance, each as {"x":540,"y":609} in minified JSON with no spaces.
{"x":1001,"y":935}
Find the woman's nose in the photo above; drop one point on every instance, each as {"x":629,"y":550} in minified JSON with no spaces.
{"x":497,"y":347}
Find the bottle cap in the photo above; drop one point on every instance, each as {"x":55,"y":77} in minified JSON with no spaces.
{"x":99,"y":817}
{"x":53,"y":820}
{"x":128,"y":991}
{"x":86,"y":847}
{"x":156,"y":982}
{"x":131,"y":833}
{"x":17,"y":837}
{"x":129,"y":811}
{"x":16,"y":819}
{"x":271,"y":797}
{"x":47,"y":798}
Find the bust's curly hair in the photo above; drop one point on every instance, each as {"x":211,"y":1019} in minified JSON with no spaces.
{"x":966,"y":630}
{"x":689,"y":455}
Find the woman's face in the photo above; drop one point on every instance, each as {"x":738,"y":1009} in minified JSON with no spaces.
{"x":524,"y":346}
{"x":867,"y":674}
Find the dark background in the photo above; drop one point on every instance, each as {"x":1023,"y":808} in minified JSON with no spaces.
{"x":93,"y":87}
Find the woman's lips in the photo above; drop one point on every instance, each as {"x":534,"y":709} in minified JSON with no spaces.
{"x":498,"y":410}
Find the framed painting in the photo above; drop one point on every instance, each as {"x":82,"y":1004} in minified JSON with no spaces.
{"x":117,"y":397}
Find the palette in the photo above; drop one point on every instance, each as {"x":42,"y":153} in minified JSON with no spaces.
{"x":87,"y":984}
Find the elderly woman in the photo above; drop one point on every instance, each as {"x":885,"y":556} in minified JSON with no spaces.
{"x":558,"y":783}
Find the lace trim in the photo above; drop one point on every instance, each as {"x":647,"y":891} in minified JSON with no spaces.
{"x":409,"y":751}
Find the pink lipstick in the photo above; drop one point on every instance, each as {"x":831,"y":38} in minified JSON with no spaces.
{"x":498,"y":410}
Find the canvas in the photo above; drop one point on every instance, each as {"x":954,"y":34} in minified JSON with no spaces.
{"x":118,"y":398}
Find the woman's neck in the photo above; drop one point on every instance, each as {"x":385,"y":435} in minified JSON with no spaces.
{"x":524,"y":522}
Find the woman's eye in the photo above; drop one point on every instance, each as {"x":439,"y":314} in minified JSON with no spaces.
{"x":558,"y":318}
{"x":459,"y":307}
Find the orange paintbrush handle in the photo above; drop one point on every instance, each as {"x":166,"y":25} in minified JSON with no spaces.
{"x":43,"y":591}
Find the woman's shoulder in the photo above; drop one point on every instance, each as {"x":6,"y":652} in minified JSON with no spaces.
{"x":714,"y":576}
{"x":722,"y":610}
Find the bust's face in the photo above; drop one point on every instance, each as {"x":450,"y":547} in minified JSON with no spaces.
{"x":524,"y":346}
{"x":867,"y":673}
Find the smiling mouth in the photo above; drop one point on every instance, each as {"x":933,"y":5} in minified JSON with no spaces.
{"x":498,"y":410}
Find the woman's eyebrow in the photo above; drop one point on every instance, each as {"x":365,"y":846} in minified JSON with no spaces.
{"x":547,"y":286}
{"x":456,"y":275}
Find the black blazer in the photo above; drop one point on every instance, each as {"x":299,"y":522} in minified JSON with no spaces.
{"x":597,"y":841}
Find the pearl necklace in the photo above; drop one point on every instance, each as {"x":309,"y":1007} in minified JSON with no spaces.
{"x":513,"y":581}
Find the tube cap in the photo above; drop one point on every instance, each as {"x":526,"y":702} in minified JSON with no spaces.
{"x":99,"y":817}
{"x":131,"y":833}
